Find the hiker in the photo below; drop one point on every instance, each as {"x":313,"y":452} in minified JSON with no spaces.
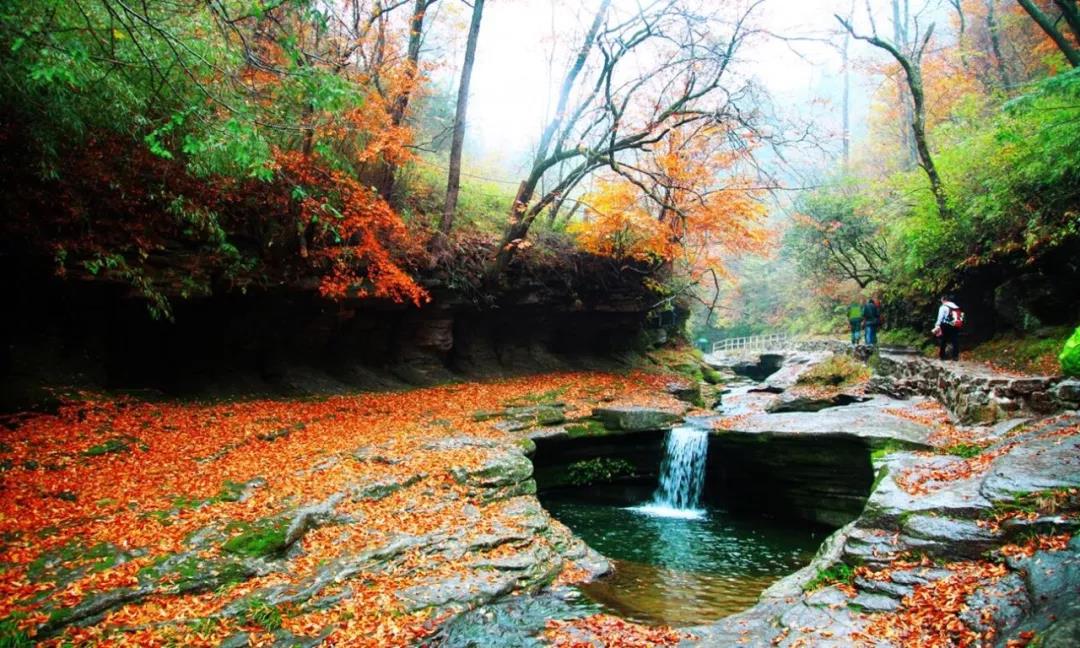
{"x":947,"y":328}
{"x":880,"y":312}
{"x":854,"y":315}
{"x":871,"y":319}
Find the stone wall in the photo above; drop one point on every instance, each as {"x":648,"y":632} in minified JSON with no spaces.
{"x":823,"y":479}
{"x":294,"y":343}
{"x":974,"y":393}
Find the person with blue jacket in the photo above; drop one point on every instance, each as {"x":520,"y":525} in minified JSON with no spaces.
{"x":871,"y":320}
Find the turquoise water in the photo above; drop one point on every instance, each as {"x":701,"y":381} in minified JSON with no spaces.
{"x":684,"y":570}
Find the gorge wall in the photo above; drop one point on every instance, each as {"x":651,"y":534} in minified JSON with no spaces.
{"x":290,"y":341}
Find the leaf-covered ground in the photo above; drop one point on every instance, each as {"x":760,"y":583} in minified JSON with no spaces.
{"x":126,"y":521}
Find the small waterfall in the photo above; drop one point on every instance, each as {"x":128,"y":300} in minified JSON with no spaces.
{"x":682,"y":475}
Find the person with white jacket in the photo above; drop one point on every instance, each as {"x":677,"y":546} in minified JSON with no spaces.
{"x":947,"y":330}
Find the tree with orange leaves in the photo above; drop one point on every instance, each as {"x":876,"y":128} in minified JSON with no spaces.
{"x":259,"y":104}
{"x":685,"y":205}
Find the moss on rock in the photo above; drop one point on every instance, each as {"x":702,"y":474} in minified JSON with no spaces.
{"x":259,"y":539}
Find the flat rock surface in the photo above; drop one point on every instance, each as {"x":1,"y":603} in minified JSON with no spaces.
{"x":878,"y":418}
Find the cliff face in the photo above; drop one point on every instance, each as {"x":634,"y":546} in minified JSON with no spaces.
{"x":291,"y":341}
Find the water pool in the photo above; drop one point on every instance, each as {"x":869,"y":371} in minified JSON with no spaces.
{"x":683,"y":570}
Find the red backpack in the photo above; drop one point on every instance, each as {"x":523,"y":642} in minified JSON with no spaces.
{"x":955,"y":318}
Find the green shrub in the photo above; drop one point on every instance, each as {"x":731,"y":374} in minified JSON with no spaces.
{"x":1070,"y":355}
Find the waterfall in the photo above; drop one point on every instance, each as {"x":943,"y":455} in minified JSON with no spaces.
{"x":682,"y":475}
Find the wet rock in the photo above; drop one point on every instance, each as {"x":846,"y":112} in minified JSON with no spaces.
{"x":310,"y":517}
{"x":462,"y":590}
{"x":792,"y":367}
{"x":889,"y":588}
{"x":958,"y":538}
{"x":553,"y":432}
{"x":687,"y":392}
{"x":867,"y":420}
{"x":512,"y":622}
{"x":532,"y":415}
{"x":1038,"y":464}
{"x":876,"y":602}
{"x":822,"y":627}
{"x":793,"y":402}
{"x":632,"y":418}
{"x":973,"y":392}
{"x":384,"y":488}
{"x":1062,"y":634}
{"x":1049,"y":575}
{"x":503,"y":469}
{"x":1067,"y":392}
{"x":1001,"y":605}
{"x":458,"y":443}
{"x":828,"y":554}
{"x":826,"y":597}
{"x":889,"y":386}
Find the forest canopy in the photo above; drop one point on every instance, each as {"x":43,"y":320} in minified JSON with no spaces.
{"x":184,"y":147}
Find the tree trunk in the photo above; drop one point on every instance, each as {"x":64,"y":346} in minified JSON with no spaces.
{"x":1071,"y":14}
{"x":993,"y":27}
{"x":453,"y":181}
{"x":918,"y":129}
{"x":847,"y":94}
{"x":1072,"y":54}
{"x":913,"y":73}
{"x":900,"y":37}
{"x":521,"y":217}
{"x":388,"y":173}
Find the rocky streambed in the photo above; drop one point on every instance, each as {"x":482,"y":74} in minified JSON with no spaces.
{"x":412,"y":518}
{"x":948,"y":533}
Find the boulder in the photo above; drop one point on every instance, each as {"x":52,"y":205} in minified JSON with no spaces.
{"x":685,"y":391}
{"x":795,"y":402}
{"x":1067,"y":393}
{"x":632,"y":418}
{"x":502,"y":469}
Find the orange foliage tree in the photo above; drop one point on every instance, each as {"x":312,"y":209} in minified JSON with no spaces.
{"x":686,"y":205}
{"x":277,"y":115}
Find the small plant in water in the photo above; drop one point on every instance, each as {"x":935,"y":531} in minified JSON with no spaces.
{"x":598,"y":470}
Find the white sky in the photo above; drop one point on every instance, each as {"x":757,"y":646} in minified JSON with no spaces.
{"x":513,"y":78}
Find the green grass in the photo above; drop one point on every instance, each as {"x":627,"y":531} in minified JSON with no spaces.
{"x":258,"y":612}
{"x":965,"y":450}
{"x":109,"y":447}
{"x":837,"y":573}
{"x":836,"y":371}
{"x":906,"y":337}
{"x":11,"y":636}
{"x":205,"y":627}
{"x":1031,"y":353}
{"x":73,"y":557}
{"x":586,"y":428}
{"x":1048,"y":501}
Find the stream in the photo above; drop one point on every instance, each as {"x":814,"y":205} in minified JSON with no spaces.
{"x":678,"y":561}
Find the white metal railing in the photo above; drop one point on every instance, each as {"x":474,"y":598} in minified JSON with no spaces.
{"x":769,"y":342}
